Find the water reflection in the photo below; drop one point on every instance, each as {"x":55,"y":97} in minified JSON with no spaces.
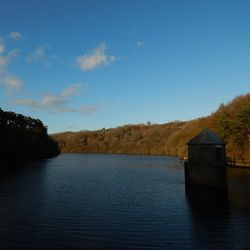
{"x":111,"y":202}
{"x":205,"y":200}
{"x":21,"y":201}
{"x":209,"y":216}
{"x":239,"y":187}
{"x":214,"y":224}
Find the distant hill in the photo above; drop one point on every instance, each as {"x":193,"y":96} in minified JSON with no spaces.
{"x":230,"y":121}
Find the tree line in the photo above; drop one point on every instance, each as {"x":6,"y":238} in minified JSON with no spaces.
{"x":22,"y":137}
{"x":233,"y":124}
{"x":231,"y":121}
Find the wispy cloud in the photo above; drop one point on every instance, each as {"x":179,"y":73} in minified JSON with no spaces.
{"x":5,"y":60}
{"x":97,"y":58}
{"x":15,"y":36}
{"x":2,"y":46}
{"x":40,"y":54}
{"x":11,"y":83}
{"x":58,"y":103}
{"x":140,"y":44}
{"x":73,"y":89}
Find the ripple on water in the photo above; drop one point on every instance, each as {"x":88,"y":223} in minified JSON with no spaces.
{"x":111,"y":201}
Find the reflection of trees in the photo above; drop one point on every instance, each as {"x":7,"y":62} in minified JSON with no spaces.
{"x":23,"y":137}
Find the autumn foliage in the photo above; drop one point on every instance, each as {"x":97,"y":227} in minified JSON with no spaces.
{"x":230,"y":121}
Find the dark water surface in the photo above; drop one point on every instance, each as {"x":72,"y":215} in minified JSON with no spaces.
{"x":114,"y":201}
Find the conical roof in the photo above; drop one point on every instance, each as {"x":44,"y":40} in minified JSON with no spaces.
{"x":206,"y":137}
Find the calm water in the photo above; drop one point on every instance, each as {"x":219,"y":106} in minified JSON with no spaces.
{"x":114,"y":201}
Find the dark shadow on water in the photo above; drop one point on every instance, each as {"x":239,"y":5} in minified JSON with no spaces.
{"x":239,"y":188}
{"x":17,"y":168}
{"x":215,"y":224}
{"x":203,"y":200}
{"x":206,"y":200}
{"x":209,"y":214}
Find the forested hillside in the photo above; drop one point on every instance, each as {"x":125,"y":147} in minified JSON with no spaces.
{"x":230,"y":121}
{"x":22,"y":137}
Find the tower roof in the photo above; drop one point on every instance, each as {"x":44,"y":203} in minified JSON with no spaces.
{"x":206,"y":137}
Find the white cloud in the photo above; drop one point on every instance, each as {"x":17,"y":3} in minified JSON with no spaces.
{"x":73,"y":89}
{"x":53,"y":101}
{"x":13,"y":53}
{"x":58,"y":103}
{"x":2,"y":46}
{"x":85,"y":109}
{"x":47,"y":102}
{"x":96,"y":59}
{"x":140,"y":44}
{"x":26,"y":102}
{"x":11,"y":83}
{"x":6,"y":60}
{"x":15,"y":36}
{"x":3,"y":63}
{"x":39,"y":55}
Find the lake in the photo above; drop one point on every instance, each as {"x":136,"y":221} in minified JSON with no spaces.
{"x":98,"y":201}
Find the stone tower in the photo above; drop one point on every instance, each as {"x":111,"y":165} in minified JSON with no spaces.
{"x":206,"y":165}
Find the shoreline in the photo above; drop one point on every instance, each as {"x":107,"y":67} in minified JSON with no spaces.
{"x":130,"y":154}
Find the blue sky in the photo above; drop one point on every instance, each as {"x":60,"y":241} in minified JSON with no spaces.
{"x":80,"y":65}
